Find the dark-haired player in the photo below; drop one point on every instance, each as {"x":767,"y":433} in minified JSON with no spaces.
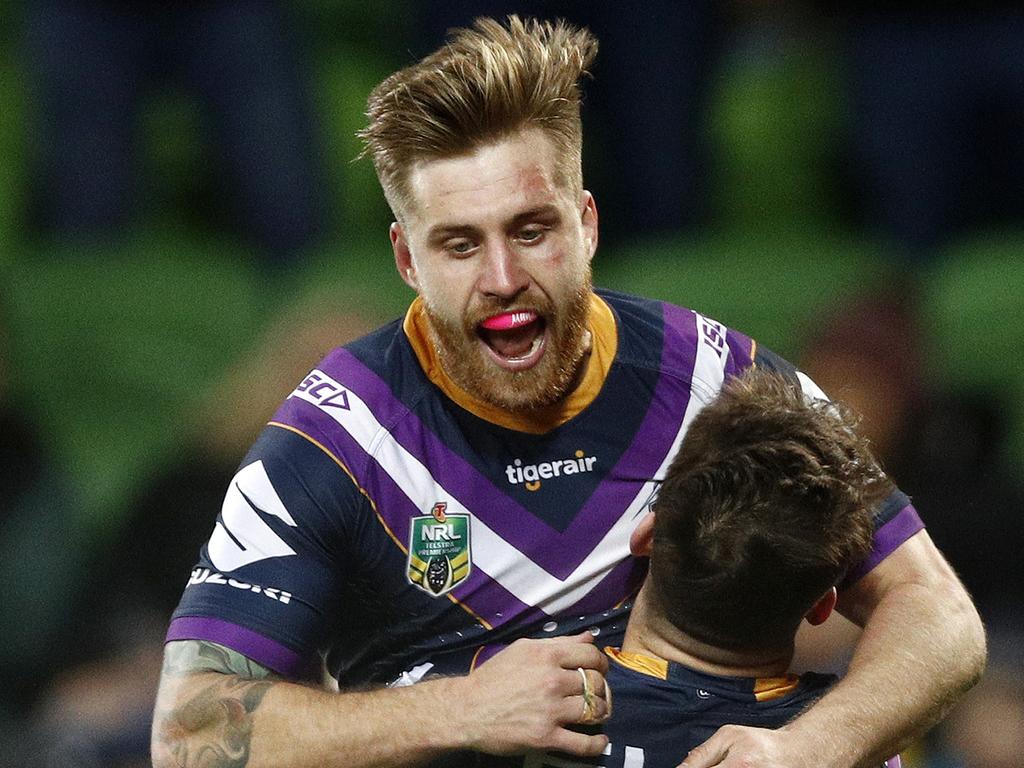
{"x":764,"y":510}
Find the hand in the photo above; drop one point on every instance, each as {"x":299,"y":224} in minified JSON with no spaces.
{"x":524,"y":697}
{"x":736,"y":746}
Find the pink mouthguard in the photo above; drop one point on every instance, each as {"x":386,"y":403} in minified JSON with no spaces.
{"x":506,"y":321}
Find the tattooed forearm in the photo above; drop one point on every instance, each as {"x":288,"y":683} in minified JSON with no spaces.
{"x":213,"y":729}
{"x":205,"y":720}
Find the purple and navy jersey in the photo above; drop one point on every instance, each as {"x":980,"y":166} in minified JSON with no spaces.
{"x":390,"y":524}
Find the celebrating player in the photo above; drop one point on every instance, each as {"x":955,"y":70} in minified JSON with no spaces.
{"x":456,"y":492}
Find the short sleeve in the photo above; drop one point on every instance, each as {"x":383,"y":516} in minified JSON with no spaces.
{"x":270,"y":577}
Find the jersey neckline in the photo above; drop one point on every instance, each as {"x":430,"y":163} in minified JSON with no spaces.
{"x":604,"y":346}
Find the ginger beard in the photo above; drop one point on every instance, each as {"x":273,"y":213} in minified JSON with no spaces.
{"x":563,"y":332}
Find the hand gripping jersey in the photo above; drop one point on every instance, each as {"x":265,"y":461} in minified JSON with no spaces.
{"x":386,"y":522}
{"x":662,"y":710}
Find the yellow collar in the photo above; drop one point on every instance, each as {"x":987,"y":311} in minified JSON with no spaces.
{"x":603,"y":347}
{"x":648,"y":665}
{"x":765,"y":688}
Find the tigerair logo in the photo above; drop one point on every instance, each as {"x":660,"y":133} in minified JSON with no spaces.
{"x":530,"y":475}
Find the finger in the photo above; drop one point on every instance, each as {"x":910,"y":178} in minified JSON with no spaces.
{"x":577,"y":710}
{"x":712,"y":752}
{"x":586,"y":636}
{"x":572,"y":655}
{"x":595,"y":685}
{"x":583,"y":744}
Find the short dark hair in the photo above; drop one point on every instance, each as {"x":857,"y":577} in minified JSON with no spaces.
{"x":767,"y":504}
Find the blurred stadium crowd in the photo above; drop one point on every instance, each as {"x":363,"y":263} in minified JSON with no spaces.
{"x":186,"y":230}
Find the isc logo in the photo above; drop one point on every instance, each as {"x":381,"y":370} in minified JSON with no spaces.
{"x":320,"y":389}
{"x":713,"y":335}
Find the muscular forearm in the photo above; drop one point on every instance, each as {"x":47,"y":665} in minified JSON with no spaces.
{"x":217,"y":709}
{"x":216,"y":720}
{"x":923,"y":646}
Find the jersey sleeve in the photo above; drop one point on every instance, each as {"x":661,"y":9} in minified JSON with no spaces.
{"x":895,"y":518}
{"x":270,"y":578}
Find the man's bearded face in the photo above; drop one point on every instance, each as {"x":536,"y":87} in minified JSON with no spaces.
{"x":499,"y":248}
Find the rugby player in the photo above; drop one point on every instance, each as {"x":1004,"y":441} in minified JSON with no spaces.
{"x":764,"y":510}
{"x":455,"y":493}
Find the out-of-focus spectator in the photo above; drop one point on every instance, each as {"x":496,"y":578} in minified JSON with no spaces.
{"x":41,"y":556}
{"x":987,"y":729}
{"x":94,"y":706}
{"x":942,"y":447}
{"x":94,"y":63}
{"x":936,"y":116}
{"x":645,"y":110}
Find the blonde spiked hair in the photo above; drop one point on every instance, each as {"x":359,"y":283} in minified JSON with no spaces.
{"x":486,"y":83}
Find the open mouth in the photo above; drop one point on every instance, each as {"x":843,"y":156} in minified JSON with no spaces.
{"x":515,"y":339}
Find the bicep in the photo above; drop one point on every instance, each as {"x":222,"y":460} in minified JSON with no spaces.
{"x":916,"y":562}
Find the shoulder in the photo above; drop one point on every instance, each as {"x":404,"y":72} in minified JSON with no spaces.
{"x":355,"y":393}
{"x":674,"y":337}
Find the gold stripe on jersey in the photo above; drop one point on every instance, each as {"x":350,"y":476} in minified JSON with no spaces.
{"x":380,"y":519}
{"x":768,"y":688}
{"x":647,"y":665}
{"x":604,"y":344}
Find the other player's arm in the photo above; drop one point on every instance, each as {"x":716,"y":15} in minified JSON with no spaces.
{"x":218,"y":709}
{"x":922,"y":647}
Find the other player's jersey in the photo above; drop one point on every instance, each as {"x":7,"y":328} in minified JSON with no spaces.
{"x":391,"y":524}
{"x":662,"y":710}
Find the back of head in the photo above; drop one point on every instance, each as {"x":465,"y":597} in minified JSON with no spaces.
{"x":765,"y":507}
{"x":486,"y":83}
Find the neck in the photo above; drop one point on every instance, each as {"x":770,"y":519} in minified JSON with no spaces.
{"x":649,"y":634}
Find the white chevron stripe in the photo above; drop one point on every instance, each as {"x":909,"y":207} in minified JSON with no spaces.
{"x":492,"y":554}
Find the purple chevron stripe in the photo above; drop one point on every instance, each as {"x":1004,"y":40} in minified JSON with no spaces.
{"x":257,"y":647}
{"x":888,"y":538}
{"x":652,"y":441}
{"x":558,"y":553}
{"x":740,"y":347}
{"x":489,"y":600}
{"x":621,"y":582}
{"x":480,"y":593}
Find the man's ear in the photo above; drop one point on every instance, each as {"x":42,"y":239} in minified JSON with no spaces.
{"x":589,"y":220}
{"x":641,"y":541}
{"x":822,"y":609}
{"x":403,"y":256}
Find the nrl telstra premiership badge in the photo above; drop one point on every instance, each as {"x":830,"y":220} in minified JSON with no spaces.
{"x":438,"y":550}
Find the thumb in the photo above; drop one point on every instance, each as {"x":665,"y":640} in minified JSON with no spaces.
{"x":712,"y":752}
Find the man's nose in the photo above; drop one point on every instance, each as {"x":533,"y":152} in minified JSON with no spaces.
{"x":503,"y":275}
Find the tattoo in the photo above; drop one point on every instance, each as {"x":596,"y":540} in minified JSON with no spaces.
{"x":212,"y":727}
{"x":187,"y":657}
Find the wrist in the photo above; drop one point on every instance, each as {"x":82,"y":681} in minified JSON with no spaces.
{"x":830,"y":744}
{"x":452,"y":696}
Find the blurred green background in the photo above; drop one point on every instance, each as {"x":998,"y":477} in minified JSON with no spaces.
{"x":111,"y":343}
{"x":129,"y":353}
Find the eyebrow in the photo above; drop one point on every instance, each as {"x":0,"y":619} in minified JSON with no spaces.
{"x":443,"y":231}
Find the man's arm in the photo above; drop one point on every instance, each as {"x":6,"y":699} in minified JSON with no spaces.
{"x":218,"y":709}
{"x":922,"y":647}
